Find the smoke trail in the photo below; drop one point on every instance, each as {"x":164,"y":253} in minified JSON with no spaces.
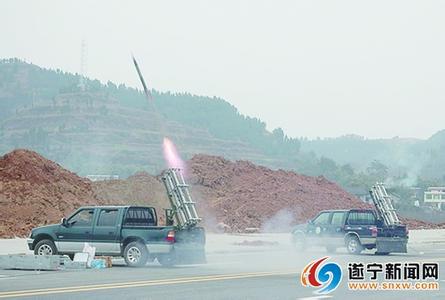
{"x":171,"y":155}
{"x":280,"y":222}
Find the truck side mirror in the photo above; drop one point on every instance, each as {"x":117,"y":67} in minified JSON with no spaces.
{"x":64,"y":222}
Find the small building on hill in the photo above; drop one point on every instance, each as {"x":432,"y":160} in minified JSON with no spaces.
{"x":435,"y":196}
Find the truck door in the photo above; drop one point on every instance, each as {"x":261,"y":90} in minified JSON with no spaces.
{"x":317,"y":228}
{"x":336,"y":228}
{"x":363,"y":223}
{"x":79,"y":229}
{"x":106,"y":231}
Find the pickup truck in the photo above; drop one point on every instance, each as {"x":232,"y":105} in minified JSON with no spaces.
{"x":355,"y":229}
{"x":131,"y":232}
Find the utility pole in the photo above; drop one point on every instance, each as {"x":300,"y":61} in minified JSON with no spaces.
{"x":83,"y":66}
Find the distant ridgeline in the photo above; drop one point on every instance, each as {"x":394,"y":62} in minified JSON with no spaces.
{"x":111,"y":129}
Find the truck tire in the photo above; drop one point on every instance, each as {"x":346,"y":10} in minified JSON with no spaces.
{"x":353,"y":245}
{"x":45,"y":247}
{"x":136,"y":254}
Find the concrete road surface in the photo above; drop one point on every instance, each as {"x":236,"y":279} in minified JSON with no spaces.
{"x":268,"y":271}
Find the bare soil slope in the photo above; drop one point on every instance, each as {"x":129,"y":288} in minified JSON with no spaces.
{"x":237,"y":195}
{"x":36,"y":191}
{"x":242,"y":194}
{"x":139,"y":189}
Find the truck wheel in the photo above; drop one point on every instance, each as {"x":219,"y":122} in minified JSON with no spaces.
{"x":135,"y":254}
{"x":45,"y":247}
{"x":353,"y":245}
{"x":167,"y":260}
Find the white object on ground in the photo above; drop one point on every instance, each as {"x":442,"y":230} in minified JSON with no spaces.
{"x":87,"y":248}
{"x":81,"y":257}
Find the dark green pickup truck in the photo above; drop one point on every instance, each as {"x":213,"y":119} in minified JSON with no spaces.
{"x":128,"y":231}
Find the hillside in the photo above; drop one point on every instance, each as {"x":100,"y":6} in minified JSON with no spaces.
{"x":408,"y":160}
{"x":111,"y":129}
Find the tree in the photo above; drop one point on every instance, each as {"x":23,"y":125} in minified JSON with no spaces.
{"x":377,"y":171}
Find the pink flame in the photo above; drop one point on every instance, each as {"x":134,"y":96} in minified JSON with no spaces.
{"x":171,"y":155}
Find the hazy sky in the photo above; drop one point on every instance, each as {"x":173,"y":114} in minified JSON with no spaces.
{"x":314,"y":68}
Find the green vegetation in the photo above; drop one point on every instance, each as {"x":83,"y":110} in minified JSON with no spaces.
{"x":33,"y":116}
{"x":28,"y":83}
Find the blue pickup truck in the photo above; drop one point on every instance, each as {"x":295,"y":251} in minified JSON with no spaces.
{"x":131,"y":232}
{"x":355,"y":229}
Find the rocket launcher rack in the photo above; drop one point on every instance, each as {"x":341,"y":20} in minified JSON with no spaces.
{"x":383,"y":204}
{"x":182,"y":205}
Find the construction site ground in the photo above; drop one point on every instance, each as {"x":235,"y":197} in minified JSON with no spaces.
{"x":244,"y":266}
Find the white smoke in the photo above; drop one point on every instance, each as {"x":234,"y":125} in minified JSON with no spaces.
{"x":280,"y":222}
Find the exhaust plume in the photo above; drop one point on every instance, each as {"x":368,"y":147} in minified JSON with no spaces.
{"x":171,"y":155}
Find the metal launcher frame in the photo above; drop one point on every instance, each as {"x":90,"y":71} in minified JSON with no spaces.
{"x":182,"y":205}
{"x":383,"y":204}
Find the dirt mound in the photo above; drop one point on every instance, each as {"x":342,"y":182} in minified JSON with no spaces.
{"x":36,"y":191}
{"x":241,"y":194}
{"x":231,"y":196}
{"x":139,"y":189}
{"x":418,"y":224}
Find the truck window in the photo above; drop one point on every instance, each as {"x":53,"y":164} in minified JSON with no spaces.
{"x":322,"y":219}
{"x":361,"y":218}
{"x":139,"y":216}
{"x":337,"y":218}
{"x":107,"y":217}
{"x":82,"y":218}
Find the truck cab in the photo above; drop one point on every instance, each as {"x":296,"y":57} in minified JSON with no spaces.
{"x":355,"y":229}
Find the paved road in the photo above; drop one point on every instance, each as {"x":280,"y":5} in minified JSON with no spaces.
{"x":250,"y":273}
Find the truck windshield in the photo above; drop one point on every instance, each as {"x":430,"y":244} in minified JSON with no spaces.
{"x":139,"y":216}
{"x":322,"y":219}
